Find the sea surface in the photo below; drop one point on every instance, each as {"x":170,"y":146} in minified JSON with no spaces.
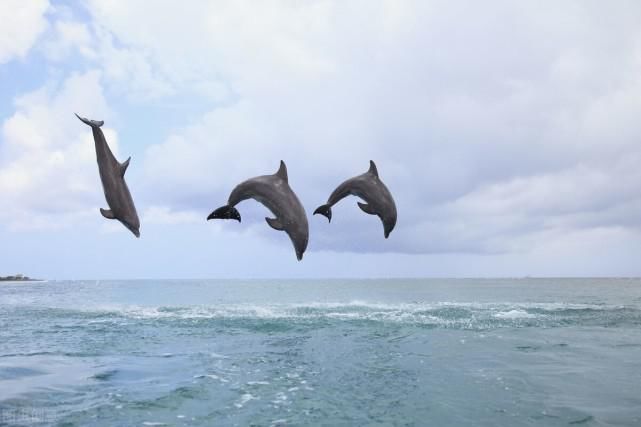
{"x":468,"y":352}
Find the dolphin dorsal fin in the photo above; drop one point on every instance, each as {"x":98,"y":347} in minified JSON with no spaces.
{"x":124,"y":166}
{"x":372,"y":168}
{"x":282,"y":171}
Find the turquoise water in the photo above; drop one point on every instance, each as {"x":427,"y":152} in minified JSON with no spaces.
{"x":544,"y":352}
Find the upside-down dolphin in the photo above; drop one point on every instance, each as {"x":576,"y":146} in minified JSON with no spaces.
{"x":371,"y":189}
{"x":112,"y":175}
{"x":274,"y":192}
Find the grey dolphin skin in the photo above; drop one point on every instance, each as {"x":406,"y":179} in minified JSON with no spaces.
{"x":274,"y":192}
{"x":112,"y":175}
{"x":371,"y":189}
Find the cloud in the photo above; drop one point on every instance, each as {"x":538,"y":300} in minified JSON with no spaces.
{"x":484,"y":132}
{"x":68,"y":36}
{"x":491,"y":136}
{"x":126,"y":71}
{"x":23,"y":23}
{"x":48,"y":173}
{"x":164,"y":215}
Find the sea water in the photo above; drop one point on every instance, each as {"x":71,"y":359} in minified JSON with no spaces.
{"x":468,"y":352}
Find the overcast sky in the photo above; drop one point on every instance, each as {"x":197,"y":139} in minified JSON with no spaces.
{"x":508,"y":132}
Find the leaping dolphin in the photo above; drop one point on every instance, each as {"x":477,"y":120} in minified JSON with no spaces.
{"x":112,"y":175}
{"x":274,"y":192}
{"x":371,"y":189}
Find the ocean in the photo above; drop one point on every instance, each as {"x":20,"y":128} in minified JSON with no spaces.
{"x":394,"y":352}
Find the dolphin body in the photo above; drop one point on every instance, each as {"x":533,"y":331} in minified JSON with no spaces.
{"x":112,"y":175}
{"x":274,"y":192}
{"x":371,"y":189}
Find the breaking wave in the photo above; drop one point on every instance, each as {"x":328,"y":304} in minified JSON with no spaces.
{"x":434,"y":315}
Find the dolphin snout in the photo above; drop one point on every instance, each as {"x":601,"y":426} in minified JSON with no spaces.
{"x":388,"y":229}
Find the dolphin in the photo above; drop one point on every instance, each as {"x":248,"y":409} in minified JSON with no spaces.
{"x":274,"y":192}
{"x":371,"y":189}
{"x":112,"y":175}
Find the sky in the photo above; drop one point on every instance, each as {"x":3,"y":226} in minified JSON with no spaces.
{"x":509,"y":134}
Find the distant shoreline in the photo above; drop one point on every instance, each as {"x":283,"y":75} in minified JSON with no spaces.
{"x":19,"y":278}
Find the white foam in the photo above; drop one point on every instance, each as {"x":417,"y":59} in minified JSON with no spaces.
{"x":514,"y":314}
{"x":244,"y":399}
{"x":212,"y":376}
{"x":219,"y":356}
{"x":466,"y":315}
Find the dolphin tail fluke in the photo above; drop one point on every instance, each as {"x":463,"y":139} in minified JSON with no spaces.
{"x":325,"y":210}
{"x":92,"y":123}
{"x":225,"y":212}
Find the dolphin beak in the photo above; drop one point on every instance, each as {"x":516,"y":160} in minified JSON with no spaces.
{"x":299,"y":255}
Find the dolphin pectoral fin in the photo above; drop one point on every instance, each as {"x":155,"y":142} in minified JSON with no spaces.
{"x":325,"y":210}
{"x":107,"y":213}
{"x":275,"y":223}
{"x":124,"y":166}
{"x":366,"y":208}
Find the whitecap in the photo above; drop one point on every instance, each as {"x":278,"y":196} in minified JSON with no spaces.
{"x":244,"y":399}
{"x":514,"y":314}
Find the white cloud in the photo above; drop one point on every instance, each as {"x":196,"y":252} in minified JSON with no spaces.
{"x":127,"y":71}
{"x":22,"y":23}
{"x":495,"y":126}
{"x":48,"y":172}
{"x":483,"y":131}
{"x":164,"y":215}
{"x":242,"y":45}
{"x":69,"y":35}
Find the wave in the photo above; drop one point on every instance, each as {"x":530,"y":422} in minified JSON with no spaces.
{"x":472,"y":315}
